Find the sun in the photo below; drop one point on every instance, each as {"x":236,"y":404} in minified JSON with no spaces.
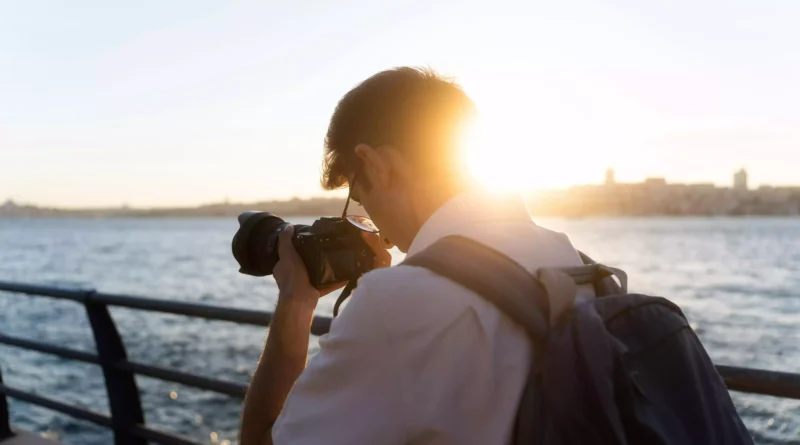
{"x":504,"y":160}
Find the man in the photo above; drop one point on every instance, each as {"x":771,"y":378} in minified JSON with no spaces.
{"x":413,"y":358}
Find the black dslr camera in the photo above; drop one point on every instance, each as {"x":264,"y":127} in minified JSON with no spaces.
{"x":332,"y":248}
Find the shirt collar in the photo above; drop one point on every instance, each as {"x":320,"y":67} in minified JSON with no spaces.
{"x":467,"y":209}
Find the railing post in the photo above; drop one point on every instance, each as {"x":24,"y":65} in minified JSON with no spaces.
{"x":5,"y":425}
{"x":123,"y":394}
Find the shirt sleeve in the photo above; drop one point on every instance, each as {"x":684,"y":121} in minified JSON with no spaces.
{"x":348,"y":393}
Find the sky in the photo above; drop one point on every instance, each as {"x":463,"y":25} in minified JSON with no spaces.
{"x":162,"y":103}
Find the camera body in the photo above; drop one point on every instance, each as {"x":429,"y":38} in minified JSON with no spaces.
{"x":332,"y":248}
{"x":333,"y":251}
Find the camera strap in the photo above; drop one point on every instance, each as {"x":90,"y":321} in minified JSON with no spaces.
{"x":343,"y":296}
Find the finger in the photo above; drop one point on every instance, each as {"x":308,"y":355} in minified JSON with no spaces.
{"x":382,"y":256}
{"x":279,"y":268}
{"x":285,"y":248}
{"x":373,"y":241}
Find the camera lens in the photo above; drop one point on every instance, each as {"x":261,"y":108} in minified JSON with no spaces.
{"x":255,"y":245}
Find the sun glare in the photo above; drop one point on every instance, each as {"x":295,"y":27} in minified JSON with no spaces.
{"x":503,"y":161}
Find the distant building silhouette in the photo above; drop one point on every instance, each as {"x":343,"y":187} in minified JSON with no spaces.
{"x":654,"y":196}
{"x":740,"y":181}
{"x":655,"y":182}
{"x":610,"y":180}
{"x":658,"y":197}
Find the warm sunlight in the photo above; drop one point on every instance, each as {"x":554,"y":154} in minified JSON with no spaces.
{"x":507,"y":157}
{"x":160,"y":150}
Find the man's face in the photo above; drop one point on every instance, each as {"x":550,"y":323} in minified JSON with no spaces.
{"x":377,"y":203}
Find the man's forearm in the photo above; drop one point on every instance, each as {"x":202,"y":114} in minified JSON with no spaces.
{"x":282,"y":361}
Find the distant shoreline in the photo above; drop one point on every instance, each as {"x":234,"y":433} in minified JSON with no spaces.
{"x":317,"y":215}
{"x":297,"y":207}
{"x":652,"y":198}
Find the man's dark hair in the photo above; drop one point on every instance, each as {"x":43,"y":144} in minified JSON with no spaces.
{"x":414,"y":110}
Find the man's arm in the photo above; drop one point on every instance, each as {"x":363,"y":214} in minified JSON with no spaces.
{"x":286,"y":350}
{"x":353,"y":390}
{"x":283,"y":360}
{"x":284,"y":356}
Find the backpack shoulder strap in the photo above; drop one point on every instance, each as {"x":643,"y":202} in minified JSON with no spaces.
{"x":492,"y":275}
{"x":600,"y":276}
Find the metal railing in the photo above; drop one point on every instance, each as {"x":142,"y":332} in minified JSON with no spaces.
{"x":127,"y":419}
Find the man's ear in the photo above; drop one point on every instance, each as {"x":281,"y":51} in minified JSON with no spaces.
{"x":375,"y":166}
{"x":400,"y":170}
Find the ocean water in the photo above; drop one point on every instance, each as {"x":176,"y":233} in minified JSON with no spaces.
{"x":738,"y":280}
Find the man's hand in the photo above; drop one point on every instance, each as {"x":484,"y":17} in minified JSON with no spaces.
{"x":382,"y":256}
{"x":291,"y":275}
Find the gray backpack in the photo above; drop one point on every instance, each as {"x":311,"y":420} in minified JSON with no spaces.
{"x":615,"y":369}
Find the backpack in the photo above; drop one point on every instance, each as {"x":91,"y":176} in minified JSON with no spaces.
{"x":618,"y":368}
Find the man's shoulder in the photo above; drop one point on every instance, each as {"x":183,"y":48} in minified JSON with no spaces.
{"x":398,"y":276}
{"x":401,"y":285}
{"x":407,"y":298}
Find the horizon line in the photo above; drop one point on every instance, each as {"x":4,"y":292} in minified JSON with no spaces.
{"x":328,"y":196}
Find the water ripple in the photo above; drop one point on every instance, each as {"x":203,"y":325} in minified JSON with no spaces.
{"x":736,"y":280}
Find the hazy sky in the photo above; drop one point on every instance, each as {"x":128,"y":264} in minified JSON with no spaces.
{"x":185,"y":102}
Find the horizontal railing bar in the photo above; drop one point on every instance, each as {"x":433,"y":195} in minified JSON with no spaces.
{"x":45,"y":291}
{"x":91,"y":416}
{"x":761,"y":381}
{"x":55,"y":405}
{"x":259,"y":318}
{"x":738,"y":379}
{"x":196,"y":381}
{"x":48,"y":349}
{"x":756,"y":381}
{"x":319,"y":326}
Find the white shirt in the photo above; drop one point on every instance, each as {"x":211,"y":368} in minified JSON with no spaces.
{"x":417,"y":359}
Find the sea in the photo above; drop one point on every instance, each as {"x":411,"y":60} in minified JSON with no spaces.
{"x":737,"y":280}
